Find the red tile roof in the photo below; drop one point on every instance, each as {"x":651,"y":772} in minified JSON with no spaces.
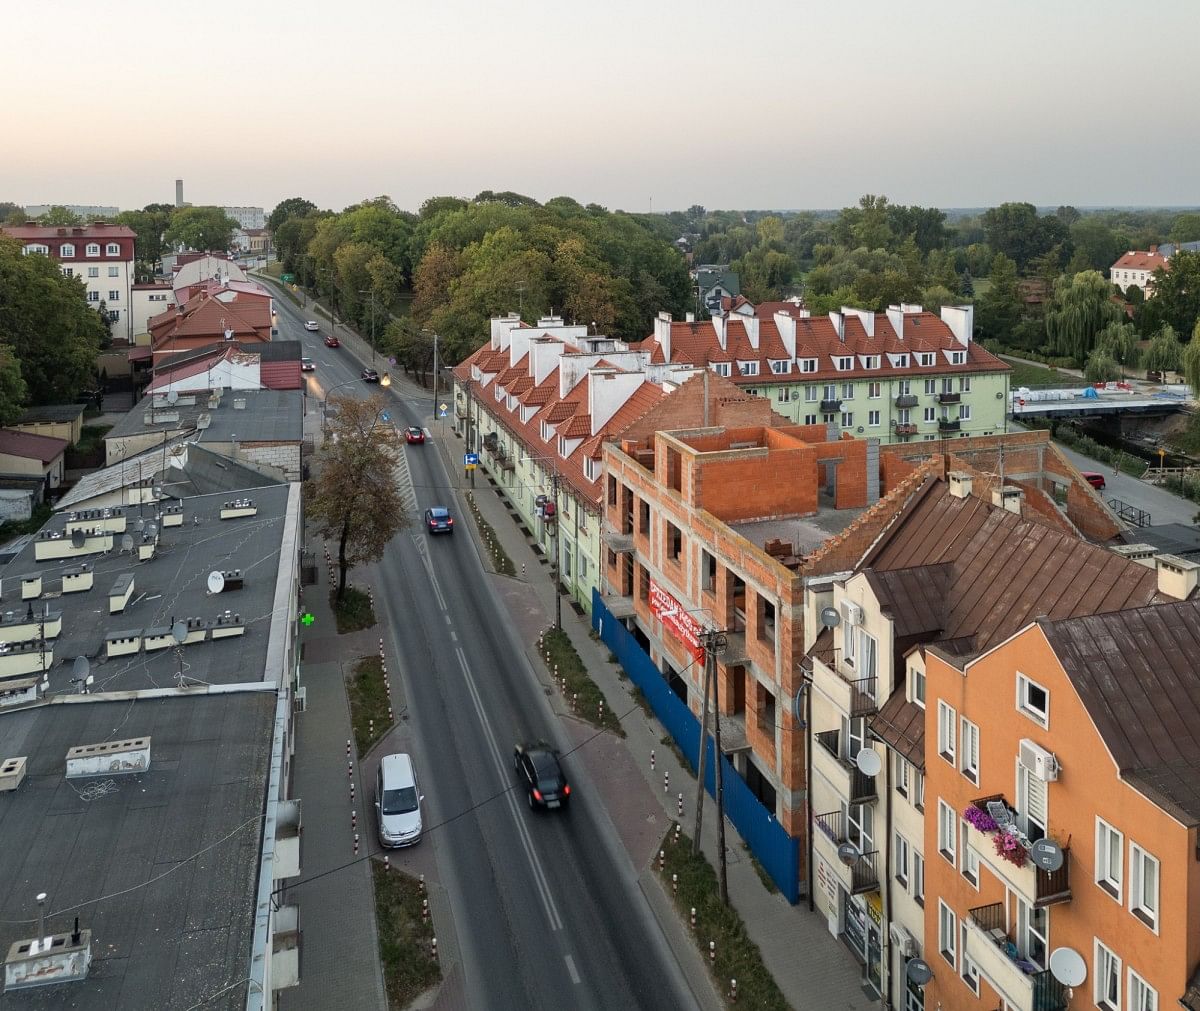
{"x":44,"y":448}
{"x":1138,"y":260}
{"x":92,"y":231}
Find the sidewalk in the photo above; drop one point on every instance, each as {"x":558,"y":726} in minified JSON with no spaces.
{"x":812,"y":969}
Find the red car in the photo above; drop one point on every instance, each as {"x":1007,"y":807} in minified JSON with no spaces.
{"x":332,"y":342}
{"x":414,"y":436}
{"x":1094,"y":479}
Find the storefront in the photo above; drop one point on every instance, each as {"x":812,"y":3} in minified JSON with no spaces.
{"x":862,"y":931}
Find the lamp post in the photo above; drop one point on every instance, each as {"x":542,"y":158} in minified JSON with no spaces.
{"x":371,"y":292}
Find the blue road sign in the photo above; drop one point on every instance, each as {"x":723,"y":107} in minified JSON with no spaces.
{"x":441,"y":413}
{"x":386,"y":415}
{"x":471,"y":459}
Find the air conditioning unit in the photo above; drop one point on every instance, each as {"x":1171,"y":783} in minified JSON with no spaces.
{"x":1038,"y":761}
{"x":852,"y":613}
{"x":903,"y":940}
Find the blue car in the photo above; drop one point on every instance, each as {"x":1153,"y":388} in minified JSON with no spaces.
{"x":439,"y":521}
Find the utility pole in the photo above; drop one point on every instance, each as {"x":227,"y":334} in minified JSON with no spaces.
{"x":709,"y":663}
{"x":371,"y":292}
{"x":435,"y":373}
{"x":714,"y":641}
{"x":557,"y":593}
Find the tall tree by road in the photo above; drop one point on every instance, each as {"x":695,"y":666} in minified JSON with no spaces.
{"x":292,"y":207}
{"x":1165,"y":353}
{"x":1176,"y":299}
{"x":354,"y":499}
{"x":1082,"y":306}
{"x":1191,"y":360}
{"x":206,"y":229}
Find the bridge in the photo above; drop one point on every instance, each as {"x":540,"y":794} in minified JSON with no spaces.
{"x":1092,"y":402}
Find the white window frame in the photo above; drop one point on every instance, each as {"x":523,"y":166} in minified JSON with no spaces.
{"x":903,"y":776}
{"x":114,"y":295}
{"x":1145,"y":907}
{"x":903,"y":850}
{"x":114,"y":270}
{"x":1142,"y":996}
{"x":844,"y":363}
{"x":1106,"y":977}
{"x":873,"y":419}
{"x":926,"y":359}
{"x":1027,"y":933}
{"x":969,"y":750}
{"x":874,"y":390}
{"x":93,"y":249}
{"x":811,"y":394}
{"x":808,"y":365}
{"x":112,"y":249}
{"x":918,"y":789}
{"x":1040,"y":717}
{"x":964,"y":384}
{"x":66,"y":249}
{"x":847,"y":391}
{"x":970,"y":858}
{"x":1109,"y":841}
{"x":93,"y":272}
{"x":970,"y":971}
{"x":847,"y":419}
{"x":947,"y":725}
{"x":918,"y":877}
{"x":916,"y":681}
{"x":748,"y":368}
{"x":947,"y":833}
{"x":930,"y":415}
{"x":964,"y":412}
{"x":948,"y":931}
{"x":721,"y":368}
{"x":780,"y":366}
{"x":93,"y":296}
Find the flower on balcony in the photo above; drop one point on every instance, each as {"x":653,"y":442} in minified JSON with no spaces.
{"x":1011,"y":848}
{"x":979,"y":819}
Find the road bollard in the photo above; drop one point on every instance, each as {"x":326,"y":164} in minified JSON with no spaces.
{"x":712,"y":951}
{"x":387,"y":863}
{"x":733,"y":991}
{"x":574,"y":701}
{"x":351,"y":792}
{"x":601,"y":717}
{"x":347,"y":751}
{"x":353,"y":820}
{"x":651,"y":756}
{"x":693,"y":917}
{"x":522,"y":570}
{"x":678,"y":829}
{"x":356,"y":844}
{"x":674,"y":884}
{"x":350,"y":769}
{"x":424,"y":909}
{"x":662,"y":860}
{"x":433,"y":948}
{"x":666,"y":782}
{"x":421,"y":883}
{"x":680,"y":805}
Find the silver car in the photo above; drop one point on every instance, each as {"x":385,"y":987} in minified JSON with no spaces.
{"x":398,"y":802}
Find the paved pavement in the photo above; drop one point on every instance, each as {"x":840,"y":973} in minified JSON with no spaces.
{"x":1163,"y":506}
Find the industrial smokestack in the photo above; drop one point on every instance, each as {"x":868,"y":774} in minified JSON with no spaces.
{"x":178,"y":192}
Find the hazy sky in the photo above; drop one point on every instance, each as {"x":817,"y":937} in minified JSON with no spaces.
{"x":746,"y":105}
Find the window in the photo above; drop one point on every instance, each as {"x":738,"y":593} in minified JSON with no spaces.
{"x":929,"y":416}
{"x":114,"y":271}
{"x":113,"y":295}
{"x":68,"y":271}
{"x":114,"y":315}
{"x":808,"y":365}
{"x":113,"y":249}
{"x":708,"y":572}
{"x":1143,"y":886}
{"x":780,"y":367}
{"x":748,"y":368}
{"x":1110,"y":845}
{"x":843,"y":364}
{"x":870,"y":361}
{"x":970,"y":973}
{"x":947,"y":745}
{"x":674,"y":542}
{"x":1142,"y":996}
{"x":810,"y":419}
{"x":925,"y":359}
{"x":562,"y":447}
{"x":830,"y":392}
{"x":970,"y":859}
{"x":847,"y":419}
{"x":873,"y":419}
{"x":721,"y":368}
{"x":1033,"y":700}
{"x":918,"y":878}
{"x":947,"y":832}
{"x":958,"y":357}
{"x":916,"y":686}
{"x":1031,"y":804}
{"x":810,"y":395}
{"x":964,"y":412}
{"x":904,"y":388}
{"x":1107,"y":979}
{"x":93,"y":296}
{"x":947,"y":385}
{"x":900,"y":361}
{"x":66,"y":249}
{"x":858,"y":826}
{"x":1033,"y":930}
{"x":874,"y":390}
{"x":903,"y":416}
{"x":947,"y":933}
{"x":591,"y":469}
{"x":931,"y":386}
{"x":847,"y":391}
{"x":784,"y":394}
{"x":93,"y":271}
{"x":93,"y":249}
{"x":970,"y":751}
{"x":902,"y":854}
{"x":964,"y":384}
{"x":919,"y":790}
{"x":903,"y":776}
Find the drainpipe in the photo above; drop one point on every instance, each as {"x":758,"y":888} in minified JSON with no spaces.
{"x":887,"y":896}
{"x":808,"y":784}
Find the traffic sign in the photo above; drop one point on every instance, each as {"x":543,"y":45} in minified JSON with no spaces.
{"x":287,"y":278}
{"x":471,"y":459}
{"x":442,"y":409}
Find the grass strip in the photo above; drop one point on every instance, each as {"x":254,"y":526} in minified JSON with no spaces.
{"x":353,"y":612}
{"x":369,"y":703}
{"x":409,"y":968}
{"x":500,"y":560}
{"x":581,"y":691}
{"x":16,"y":528}
{"x":737,"y":957}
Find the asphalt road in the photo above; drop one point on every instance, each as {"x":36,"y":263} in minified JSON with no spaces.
{"x":546,"y":905}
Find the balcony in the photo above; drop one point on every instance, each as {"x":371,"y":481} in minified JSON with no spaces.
{"x":830,"y":406}
{"x":839,"y":769}
{"x":949,"y":398}
{"x":616,"y":541}
{"x":853,"y":696}
{"x":906,"y":400}
{"x":1039,"y":887}
{"x":1022,"y":982}
{"x":905,"y":428}
{"x":863,"y":876}
{"x":949,"y":424}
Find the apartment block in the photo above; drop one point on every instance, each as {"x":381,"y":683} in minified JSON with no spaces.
{"x":898,"y":376}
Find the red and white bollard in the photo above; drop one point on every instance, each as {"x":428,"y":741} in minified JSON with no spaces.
{"x":574,"y":702}
{"x":421,"y":883}
{"x":680,"y":805}
{"x":387,"y":863}
{"x":674,"y":884}
{"x":356,"y":844}
{"x":350,"y":769}
{"x":678,"y":829}
{"x":651,"y":756}
{"x":666,"y":782}
{"x":712,"y":951}
{"x":601,"y":712}
{"x":353,"y":820}
{"x":693,"y":917}
{"x":662,"y":860}
{"x":433,"y":948}
{"x":347,"y":751}
{"x":733,"y":991}
{"x":424,"y":910}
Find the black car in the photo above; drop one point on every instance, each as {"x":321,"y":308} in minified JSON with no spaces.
{"x":439,"y":521}
{"x":541,"y":775}
{"x":370,"y":375}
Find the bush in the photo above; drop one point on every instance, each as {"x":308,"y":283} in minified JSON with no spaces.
{"x":353,"y":612}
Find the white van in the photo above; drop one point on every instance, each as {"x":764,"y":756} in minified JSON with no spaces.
{"x":398,"y":802}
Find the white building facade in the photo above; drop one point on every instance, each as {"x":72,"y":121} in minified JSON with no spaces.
{"x":247,"y":217}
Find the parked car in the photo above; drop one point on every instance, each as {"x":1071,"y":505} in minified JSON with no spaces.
{"x":1094,"y":479}
{"x":307,"y":365}
{"x":541,"y":775}
{"x":370,"y":376}
{"x":414,"y":436}
{"x":397,"y":802}
{"x":332,"y":342}
{"x":439,"y":521}
{"x":312,"y":325}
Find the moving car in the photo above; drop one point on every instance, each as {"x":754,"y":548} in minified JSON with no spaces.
{"x":332,"y":342}
{"x":541,"y":775}
{"x":397,"y":802}
{"x":307,"y":365}
{"x":439,"y":521}
{"x":1094,"y":479}
{"x":370,"y":376}
{"x":312,"y":325}
{"x":414,"y":436}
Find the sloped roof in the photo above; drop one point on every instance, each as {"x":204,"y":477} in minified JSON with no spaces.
{"x":1139,"y":260}
{"x":51,"y":412}
{"x":900,"y":724}
{"x":29,"y":446}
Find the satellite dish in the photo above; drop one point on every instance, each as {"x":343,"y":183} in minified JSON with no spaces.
{"x":868,"y":761}
{"x":126,"y":542}
{"x":81,"y":668}
{"x":172,"y":396}
{"x":798,"y":706}
{"x":1068,"y":967}
{"x":216,"y":582}
{"x":179,"y":632}
{"x":1046,"y":854}
{"x":158,"y":492}
{"x":918,"y":971}
{"x":78,"y":538}
{"x":140,"y":525}
{"x":151,"y":529}
{"x":830,"y":617}
{"x":847,"y":853}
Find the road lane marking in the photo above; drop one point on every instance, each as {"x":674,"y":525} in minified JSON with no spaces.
{"x":571,"y":969}
{"x":539,"y":877}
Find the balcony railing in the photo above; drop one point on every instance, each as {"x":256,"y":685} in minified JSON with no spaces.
{"x":949,"y":398}
{"x":862,"y":786}
{"x":864,"y":876}
{"x":830,"y":406}
{"x":862,"y":697}
{"x":906,"y":428}
{"x":1048,"y":993}
{"x":1050,"y":887}
{"x":949,"y":424}
{"x":906,"y":400}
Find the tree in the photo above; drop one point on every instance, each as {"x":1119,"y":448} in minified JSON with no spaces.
{"x":59,"y":215}
{"x":292,"y":207}
{"x":1185,"y":227}
{"x":206,"y":229}
{"x":1016,"y":230}
{"x":13,"y":392}
{"x":1001,"y":305}
{"x":150,"y":225}
{"x":1100,"y":367}
{"x":1080,"y":308}
{"x":354,"y":498}
{"x":1119,"y":342}
{"x":933,"y":298}
{"x":1165,"y":353}
{"x":9,"y":211}
{"x":1176,"y":297}
{"x":1191,"y":361}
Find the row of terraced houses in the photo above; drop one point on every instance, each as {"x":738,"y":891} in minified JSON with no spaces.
{"x":955,"y":601}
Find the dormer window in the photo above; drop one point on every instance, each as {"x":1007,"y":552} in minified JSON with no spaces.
{"x":958,"y":358}
{"x":808,"y":365}
{"x":844,"y":364}
{"x":900,"y":361}
{"x":925,"y":359}
{"x":66,"y":249}
{"x":748,"y":368}
{"x":721,"y":368}
{"x":781,"y":367}
{"x":562,"y":446}
{"x":93,"y":249}
{"x":547,"y":432}
{"x":869,"y":361}
{"x":113,"y":249}
{"x":37,"y":247}
{"x":591,"y":470}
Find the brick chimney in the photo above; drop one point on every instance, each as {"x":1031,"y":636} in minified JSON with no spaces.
{"x":662,"y":334}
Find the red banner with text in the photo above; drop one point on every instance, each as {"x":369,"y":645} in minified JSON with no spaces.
{"x":682,"y":625}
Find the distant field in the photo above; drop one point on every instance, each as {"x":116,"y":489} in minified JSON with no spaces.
{"x":1037,"y":375}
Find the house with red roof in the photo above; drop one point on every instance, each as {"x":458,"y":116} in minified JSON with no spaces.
{"x":538,"y":402}
{"x":210,"y":316}
{"x":1136,"y":269}
{"x":900,"y":375}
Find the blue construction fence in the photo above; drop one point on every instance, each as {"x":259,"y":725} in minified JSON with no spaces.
{"x":777,"y":851}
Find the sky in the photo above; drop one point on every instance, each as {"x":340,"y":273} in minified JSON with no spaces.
{"x":632,"y":104}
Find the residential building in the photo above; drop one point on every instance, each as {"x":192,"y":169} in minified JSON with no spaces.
{"x":712,"y":283}
{"x":188,"y":269}
{"x":59,"y":421}
{"x":147,"y":300}
{"x":101,"y":255}
{"x":251,"y":240}
{"x":87,"y":212}
{"x":898,"y":376}
{"x":1136,"y":268}
{"x":213,"y":314}
{"x":23,"y":454}
{"x":247,"y":217}
{"x":271,"y":366}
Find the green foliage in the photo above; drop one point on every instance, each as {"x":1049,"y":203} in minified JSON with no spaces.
{"x":1185,"y":227}
{"x":405,"y":936}
{"x":150,"y":226}
{"x":585,"y":696}
{"x":1001,"y":305}
{"x":1119,"y":341}
{"x":936,"y":296}
{"x":1101,"y":367}
{"x":1191,"y":360}
{"x":366,"y":690}
{"x":292,"y":207}
{"x":206,"y":229}
{"x":59,"y":215}
{"x":12,"y":214}
{"x":1017,"y":231}
{"x":1165,"y":353}
{"x":1080,"y":308}
{"x":1176,"y":298}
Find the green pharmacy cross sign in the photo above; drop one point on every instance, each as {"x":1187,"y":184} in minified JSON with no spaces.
{"x":307,"y":619}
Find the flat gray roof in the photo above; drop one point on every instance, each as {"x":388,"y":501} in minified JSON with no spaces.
{"x":806,"y":533}
{"x":181,"y":841}
{"x":269,"y":416}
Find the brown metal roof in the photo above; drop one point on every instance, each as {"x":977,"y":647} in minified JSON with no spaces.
{"x":1135,"y":671}
{"x":913,"y":598}
{"x":900,"y":724}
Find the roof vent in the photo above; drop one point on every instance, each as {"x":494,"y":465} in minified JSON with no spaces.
{"x":1177,"y":577}
{"x":1009,"y":498}
{"x":48,"y":959}
{"x":239,"y":404}
{"x":1143,"y":554}
{"x":109,"y":758}
{"x":960,"y":484}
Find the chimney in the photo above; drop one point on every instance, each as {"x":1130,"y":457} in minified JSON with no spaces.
{"x":960,"y":484}
{"x":786,"y":325}
{"x":895,"y":315}
{"x":961,"y":321}
{"x":839,"y":324}
{"x":1009,"y":498}
{"x":751,"y":325}
{"x":608,"y":391}
{"x":1153,"y":250}
{"x":1143,"y":554}
{"x":720,"y":324}
{"x":1177,"y":577}
{"x":690,"y":317}
{"x":178,"y":192}
{"x":865,"y":316}
{"x":662,"y":334}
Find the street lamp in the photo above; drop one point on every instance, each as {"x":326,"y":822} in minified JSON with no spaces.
{"x":371,"y":292}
